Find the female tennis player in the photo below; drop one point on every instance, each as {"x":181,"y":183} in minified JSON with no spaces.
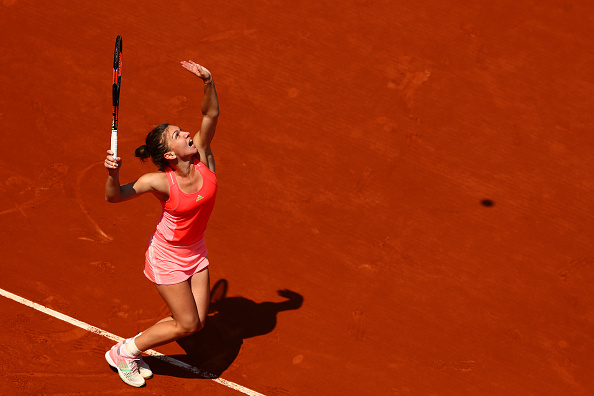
{"x":176,"y":256}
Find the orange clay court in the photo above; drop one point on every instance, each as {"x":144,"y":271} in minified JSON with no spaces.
{"x":414,"y":177}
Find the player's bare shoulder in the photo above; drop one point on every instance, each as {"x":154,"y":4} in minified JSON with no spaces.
{"x":155,"y":182}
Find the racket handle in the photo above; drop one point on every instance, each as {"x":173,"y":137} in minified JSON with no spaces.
{"x":114,"y":142}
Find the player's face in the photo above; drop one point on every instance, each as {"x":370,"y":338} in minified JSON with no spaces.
{"x":180,"y":142}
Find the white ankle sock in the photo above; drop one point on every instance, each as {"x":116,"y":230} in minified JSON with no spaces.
{"x":130,"y":348}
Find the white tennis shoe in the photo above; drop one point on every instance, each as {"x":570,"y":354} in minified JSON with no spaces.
{"x":143,"y":368}
{"x":127,"y":367}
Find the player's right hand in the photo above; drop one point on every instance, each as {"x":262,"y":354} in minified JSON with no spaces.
{"x":112,"y":163}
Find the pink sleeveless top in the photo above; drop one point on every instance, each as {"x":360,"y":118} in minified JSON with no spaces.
{"x":185,"y":216}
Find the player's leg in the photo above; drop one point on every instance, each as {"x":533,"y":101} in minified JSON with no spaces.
{"x":184,"y":321}
{"x":200,"y":286}
{"x":200,"y":283}
{"x":126,"y":357}
{"x":188,"y":302}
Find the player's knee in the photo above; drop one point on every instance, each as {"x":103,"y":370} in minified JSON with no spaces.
{"x":190,"y":327}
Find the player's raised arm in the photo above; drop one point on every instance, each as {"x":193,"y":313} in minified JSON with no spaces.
{"x":210,"y":113}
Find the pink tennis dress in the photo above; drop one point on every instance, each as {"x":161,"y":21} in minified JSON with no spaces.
{"x":176,"y":251}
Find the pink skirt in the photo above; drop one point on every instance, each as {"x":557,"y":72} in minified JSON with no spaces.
{"x":168,"y":264}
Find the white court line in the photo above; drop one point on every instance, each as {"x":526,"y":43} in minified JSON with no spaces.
{"x":116,"y":338}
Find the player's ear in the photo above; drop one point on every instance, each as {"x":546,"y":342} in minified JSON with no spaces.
{"x":170,"y":155}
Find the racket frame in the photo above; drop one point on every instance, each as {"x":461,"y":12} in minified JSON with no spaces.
{"x":115,"y":93}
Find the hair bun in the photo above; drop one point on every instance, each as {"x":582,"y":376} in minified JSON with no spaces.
{"x":142,"y":152}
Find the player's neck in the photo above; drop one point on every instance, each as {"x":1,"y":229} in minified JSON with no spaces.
{"x":183,"y":167}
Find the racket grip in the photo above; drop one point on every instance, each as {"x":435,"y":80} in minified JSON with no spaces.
{"x":114,"y":142}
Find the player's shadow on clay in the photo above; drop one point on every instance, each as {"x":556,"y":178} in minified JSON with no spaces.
{"x":231,"y":320}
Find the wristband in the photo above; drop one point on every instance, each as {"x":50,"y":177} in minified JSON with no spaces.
{"x":209,"y":80}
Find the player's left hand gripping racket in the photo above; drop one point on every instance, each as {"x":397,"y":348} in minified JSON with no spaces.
{"x":117,"y":80}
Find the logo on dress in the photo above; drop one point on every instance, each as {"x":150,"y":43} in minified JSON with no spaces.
{"x":199,"y":197}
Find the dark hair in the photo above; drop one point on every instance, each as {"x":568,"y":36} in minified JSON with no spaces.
{"x":155,"y":147}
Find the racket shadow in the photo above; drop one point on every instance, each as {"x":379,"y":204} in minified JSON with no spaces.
{"x":231,"y":320}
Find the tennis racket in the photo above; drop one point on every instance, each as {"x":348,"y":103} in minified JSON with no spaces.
{"x":115,"y":90}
